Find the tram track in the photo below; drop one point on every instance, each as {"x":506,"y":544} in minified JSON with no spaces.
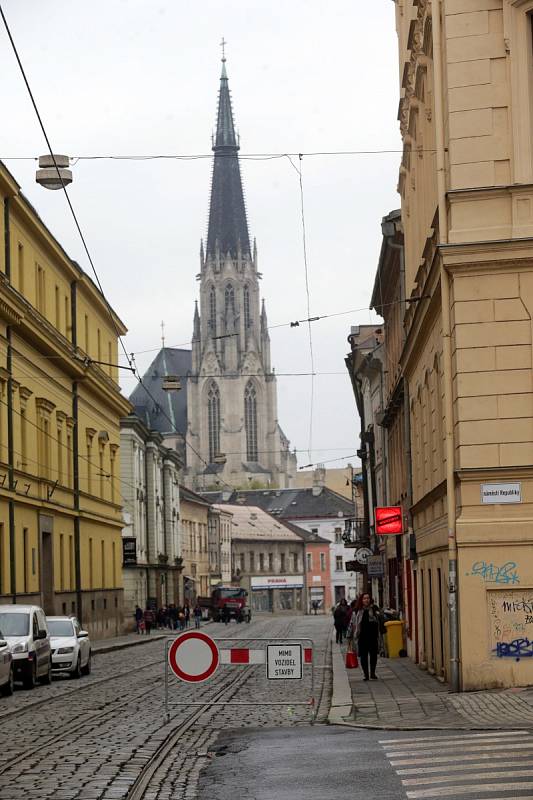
{"x":69,"y":729}
{"x":141,"y":788}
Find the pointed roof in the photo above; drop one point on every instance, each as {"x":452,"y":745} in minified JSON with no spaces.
{"x":164,"y":411}
{"x":228,"y":226}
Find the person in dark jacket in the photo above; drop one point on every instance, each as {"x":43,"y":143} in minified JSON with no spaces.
{"x":366,"y":629}
{"x":339,"y":620}
{"x":138,"y":619}
{"x":149,"y":619}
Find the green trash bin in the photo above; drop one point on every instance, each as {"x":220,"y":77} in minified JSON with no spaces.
{"x":394,"y":638}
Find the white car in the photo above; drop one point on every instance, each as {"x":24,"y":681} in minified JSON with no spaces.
{"x":71,"y":647}
{"x":7,"y":673}
{"x":24,"y":629}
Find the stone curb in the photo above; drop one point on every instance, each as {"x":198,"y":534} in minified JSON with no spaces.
{"x":427,"y":727}
{"x":341,"y":699}
{"x":99,"y":649}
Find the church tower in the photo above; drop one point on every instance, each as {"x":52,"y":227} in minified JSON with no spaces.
{"x":231,"y":392}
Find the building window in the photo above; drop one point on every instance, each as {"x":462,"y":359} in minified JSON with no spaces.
{"x":295,"y":562}
{"x":271,"y":562}
{"x":282,"y":563}
{"x":58,"y":309}
{"x":323,"y":561}
{"x":229,"y":299}
{"x":71,"y":567}
{"x":212,"y":310}
{"x":252,"y":562}
{"x":247,"y":321}
{"x":21,"y":267}
{"x":213,"y":419}
{"x":250,"y":421}
{"x":91,"y":564}
{"x":309,"y":562}
{"x":61,"y":561}
{"x":86,"y":334}
{"x":40,"y":289}
{"x":262,"y":562}
{"x":243,"y":565}
{"x":339,"y":566}
{"x":102,"y":558}
{"x":338,"y":535}
{"x":314,"y":530}
{"x":25,"y":559}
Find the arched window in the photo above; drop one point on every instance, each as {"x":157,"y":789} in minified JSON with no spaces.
{"x":229,"y":297}
{"x":212,"y":310}
{"x":246,"y":307}
{"x":213,"y":420}
{"x":250,"y":421}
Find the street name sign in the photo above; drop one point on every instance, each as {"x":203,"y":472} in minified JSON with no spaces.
{"x":193,"y":657}
{"x":501,"y":492}
{"x":284,"y":662}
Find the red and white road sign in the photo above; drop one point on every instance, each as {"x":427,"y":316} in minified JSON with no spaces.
{"x":193,"y":657}
{"x":245,"y":655}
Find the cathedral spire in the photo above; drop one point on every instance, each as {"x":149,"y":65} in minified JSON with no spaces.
{"x":228,"y":226}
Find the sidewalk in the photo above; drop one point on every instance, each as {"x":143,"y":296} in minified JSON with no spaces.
{"x":408,"y":698}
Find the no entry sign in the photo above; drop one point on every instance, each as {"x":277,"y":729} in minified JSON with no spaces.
{"x":193,"y":657}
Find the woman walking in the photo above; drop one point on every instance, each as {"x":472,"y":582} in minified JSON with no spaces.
{"x":366,"y":629}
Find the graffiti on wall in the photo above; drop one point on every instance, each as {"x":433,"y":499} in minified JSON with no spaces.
{"x":511,"y":623}
{"x":492,"y":573}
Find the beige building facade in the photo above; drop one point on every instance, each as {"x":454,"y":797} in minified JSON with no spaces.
{"x":194,"y":524}
{"x":466,"y":177}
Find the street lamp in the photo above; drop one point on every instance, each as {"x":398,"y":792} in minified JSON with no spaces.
{"x":53,"y":172}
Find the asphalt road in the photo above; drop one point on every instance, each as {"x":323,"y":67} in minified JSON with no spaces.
{"x":303,"y":763}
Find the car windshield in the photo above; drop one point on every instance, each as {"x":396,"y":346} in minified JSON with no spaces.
{"x":14,"y":624}
{"x":232,"y":592}
{"x":60,"y":627}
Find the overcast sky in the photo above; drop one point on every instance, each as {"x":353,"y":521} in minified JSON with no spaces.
{"x":122,"y":77}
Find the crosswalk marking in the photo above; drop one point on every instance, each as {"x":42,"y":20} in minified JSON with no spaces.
{"x":475,"y":776}
{"x":453,"y":791}
{"x":468,"y":748}
{"x":453,"y":758}
{"x":485,"y":765}
{"x":473,"y":736}
{"x":452,"y":767}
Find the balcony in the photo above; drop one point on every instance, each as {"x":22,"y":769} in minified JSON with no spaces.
{"x":356,"y":532}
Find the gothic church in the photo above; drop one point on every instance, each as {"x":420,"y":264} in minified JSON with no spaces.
{"x":230,"y":414}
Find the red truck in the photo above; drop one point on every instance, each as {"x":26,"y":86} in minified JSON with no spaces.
{"x":227,"y":602}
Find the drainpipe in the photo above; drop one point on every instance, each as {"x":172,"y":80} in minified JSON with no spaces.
{"x":447,"y":351}
{"x":10,"y":435}
{"x":76,"y":457}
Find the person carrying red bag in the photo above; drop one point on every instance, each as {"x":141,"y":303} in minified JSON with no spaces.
{"x":365,"y":631}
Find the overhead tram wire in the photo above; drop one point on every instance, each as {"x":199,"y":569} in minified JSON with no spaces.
{"x":308,"y":297}
{"x":63,"y":186}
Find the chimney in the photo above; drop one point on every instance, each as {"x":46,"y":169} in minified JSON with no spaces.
{"x":319,"y":480}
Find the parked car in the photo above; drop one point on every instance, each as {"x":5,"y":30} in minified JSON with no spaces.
{"x":25,"y":630}
{"x":71,"y":647}
{"x":6,"y":668}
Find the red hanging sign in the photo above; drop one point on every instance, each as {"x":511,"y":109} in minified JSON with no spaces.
{"x":389,"y":520}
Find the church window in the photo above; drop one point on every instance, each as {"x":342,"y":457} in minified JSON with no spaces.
{"x":212,"y":310}
{"x":213,"y":419}
{"x":246,"y":307}
{"x":250,"y":421}
{"x":229,"y":299}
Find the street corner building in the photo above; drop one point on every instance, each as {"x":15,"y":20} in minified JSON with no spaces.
{"x":227,"y":402}
{"x":267,"y":560}
{"x":60,"y":410}
{"x":455,"y":289}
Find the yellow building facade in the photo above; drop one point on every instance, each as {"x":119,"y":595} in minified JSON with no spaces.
{"x":60,"y":499}
{"x":194,"y":525}
{"x":466,"y":178}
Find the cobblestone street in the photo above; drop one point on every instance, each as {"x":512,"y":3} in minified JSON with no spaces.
{"x":96,"y":738}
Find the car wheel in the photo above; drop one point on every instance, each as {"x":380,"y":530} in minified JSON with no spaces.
{"x":7,"y":688}
{"x":29,"y":681}
{"x":76,"y":672}
{"x":86,"y":670}
{"x":46,"y":679}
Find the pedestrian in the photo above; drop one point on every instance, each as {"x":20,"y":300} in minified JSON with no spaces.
{"x":138,"y":614}
{"x":172,"y":616}
{"x":339,"y":620}
{"x":149,"y":619}
{"x":314,"y":606}
{"x":181,"y":620}
{"x":187,"y":612}
{"x":365,"y":631}
{"x":225,"y":615}
{"x":197,"y":615}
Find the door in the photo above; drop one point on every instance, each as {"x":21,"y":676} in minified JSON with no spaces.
{"x":47,"y":564}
